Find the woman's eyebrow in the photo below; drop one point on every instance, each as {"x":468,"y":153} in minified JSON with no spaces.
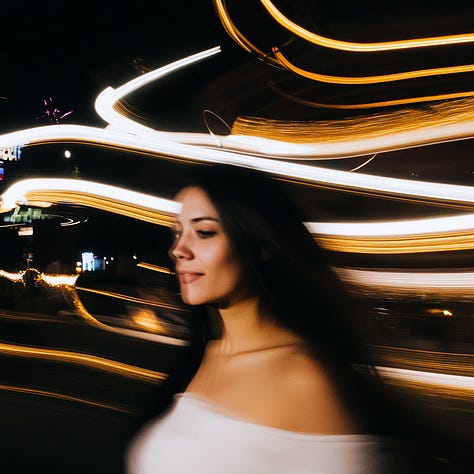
{"x":205,"y":218}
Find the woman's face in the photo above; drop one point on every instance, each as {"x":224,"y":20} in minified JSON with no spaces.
{"x":206,"y":265}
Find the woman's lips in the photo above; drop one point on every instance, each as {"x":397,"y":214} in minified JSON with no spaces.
{"x":188,"y":277}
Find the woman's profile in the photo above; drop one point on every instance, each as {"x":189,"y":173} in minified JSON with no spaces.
{"x":275,"y":391}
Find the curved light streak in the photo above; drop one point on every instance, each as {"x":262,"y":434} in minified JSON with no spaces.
{"x":362,"y":47}
{"x":87,"y":360}
{"x":398,"y":76}
{"x":236,"y":35}
{"x":89,"y":319}
{"x":88,"y":193}
{"x":106,"y":104}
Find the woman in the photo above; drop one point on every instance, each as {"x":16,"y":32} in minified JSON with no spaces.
{"x":275,"y":391}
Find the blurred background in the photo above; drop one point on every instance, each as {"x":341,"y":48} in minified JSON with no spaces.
{"x":364,"y":110}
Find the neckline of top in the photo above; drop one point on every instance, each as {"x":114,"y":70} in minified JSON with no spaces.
{"x":209,"y":406}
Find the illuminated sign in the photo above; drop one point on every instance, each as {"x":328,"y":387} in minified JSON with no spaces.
{"x":10,"y":153}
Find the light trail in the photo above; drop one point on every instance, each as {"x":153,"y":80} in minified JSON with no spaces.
{"x":86,"y":360}
{"x":50,"y":280}
{"x":12,"y":276}
{"x":81,"y":310}
{"x":363,"y":47}
{"x":159,"y":143}
{"x":237,"y":35}
{"x":67,"y":283}
{"x":155,"y":268}
{"x":427,"y":378}
{"x":130,"y":298}
{"x":455,"y":285}
{"x":378,"y":79}
{"x":63,"y":396}
{"x":100,"y":196}
{"x":439,"y":116}
{"x":396,"y":237}
{"x":106,"y":104}
{"x":400,"y":236}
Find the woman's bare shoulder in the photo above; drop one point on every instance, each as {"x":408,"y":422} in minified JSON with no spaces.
{"x":305,"y":398}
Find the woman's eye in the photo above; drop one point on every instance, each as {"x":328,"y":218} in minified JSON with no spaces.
{"x":205,"y":234}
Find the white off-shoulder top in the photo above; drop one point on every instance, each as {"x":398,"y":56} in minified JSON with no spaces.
{"x":195,"y":437}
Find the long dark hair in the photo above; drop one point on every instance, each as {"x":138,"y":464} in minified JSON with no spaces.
{"x":284,"y":264}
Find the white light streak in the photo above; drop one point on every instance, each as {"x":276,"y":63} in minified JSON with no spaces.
{"x":20,"y":190}
{"x":438,"y":225}
{"x":428,"y":378}
{"x":59,"y":280}
{"x":433,"y":281}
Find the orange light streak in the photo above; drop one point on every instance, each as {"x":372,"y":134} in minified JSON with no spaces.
{"x":155,"y":268}
{"x":62,"y":396}
{"x":399,"y":76}
{"x":130,"y":298}
{"x":362,"y":47}
{"x":87,"y":360}
{"x":236,"y":35}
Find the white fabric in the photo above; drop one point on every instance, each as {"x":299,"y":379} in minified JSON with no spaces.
{"x":195,"y":437}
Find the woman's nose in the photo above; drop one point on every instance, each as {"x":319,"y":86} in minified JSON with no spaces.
{"x":180,"y":249}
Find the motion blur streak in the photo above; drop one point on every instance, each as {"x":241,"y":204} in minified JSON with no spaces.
{"x":106,"y":104}
{"x":155,"y":268}
{"x":396,"y":237}
{"x":97,"y":195}
{"x":130,"y":298}
{"x":76,"y":302}
{"x":463,"y":223}
{"x":402,"y":284}
{"x":362,"y":47}
{"x":59,"y":280}
{"x":236,"y":35}
{"x":398,"y":245}
{"x":85,"y":360}
{"x":61,"y":396}
{"x":428,"y":378}
{"x":409,"y":126}
{"x":399,"y":76}
{"x":51,"y":280}
{"x":12,"y":276}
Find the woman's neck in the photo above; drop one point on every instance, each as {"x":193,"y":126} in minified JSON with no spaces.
{"x":246,"y":329}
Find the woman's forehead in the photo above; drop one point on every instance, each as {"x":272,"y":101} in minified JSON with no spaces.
{"x":195,"y":203}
